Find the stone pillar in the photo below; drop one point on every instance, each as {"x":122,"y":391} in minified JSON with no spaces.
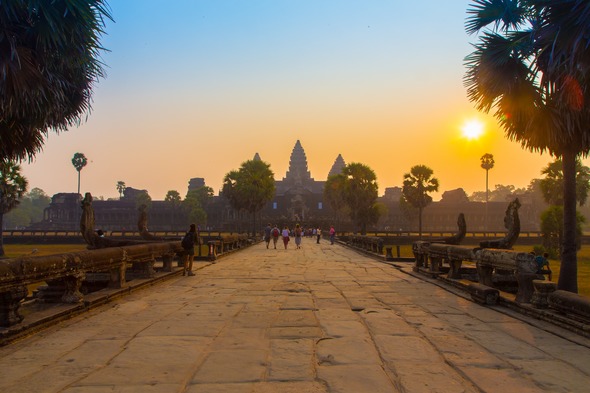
{"x":212,"y":251}
{"x":484,"y":273}
{"x":167,"y":262}
{"x":117,"y":279}
{"x":388,"y":254}
{"x":9,"y":306}
{"x":455,"y":268}
{"x":543,"y":289}
{"x":72,"y":285}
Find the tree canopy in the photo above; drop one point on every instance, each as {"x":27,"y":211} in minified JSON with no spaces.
{"x":250,"y":187}
{"x":360,"y":191}
{"x":49,"y":62}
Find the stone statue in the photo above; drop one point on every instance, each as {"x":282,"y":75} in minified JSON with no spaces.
{"x":512,"y":224}
{"x":459,"y":236}
{"x":87,"y":220}
{"x":142,"y":224}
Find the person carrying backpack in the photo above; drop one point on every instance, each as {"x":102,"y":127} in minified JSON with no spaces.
{"x":276,"y":232}
{"x":267,"y":231}
{"x":188,"y":244}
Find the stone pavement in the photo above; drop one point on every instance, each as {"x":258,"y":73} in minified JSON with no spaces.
{"x":320,"y":319}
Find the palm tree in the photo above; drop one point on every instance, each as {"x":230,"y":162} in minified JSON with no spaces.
{"x":49,"y":62}
{"x":552,"y":184}
{"x":79,"y":161}
{"x":173,"y":199}
{"x":121,"y":186}
{"x":12,"y":188}
{"x":531,"y":66}
{"x":417,"y":184}
{"x":487,"y":163}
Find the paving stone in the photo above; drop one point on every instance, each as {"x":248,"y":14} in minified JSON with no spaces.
{"x":295,"y":318}
{"x":355,"y":379}
{"x":387,"y":322}
{"x":232,"y":366}
{"x":296,"y":332}
{"x":291,"y":360}
{"x":500,"y":380}
{"x":431,"y":377}
{"x":405,"y":348}
{"x":347,"y":350}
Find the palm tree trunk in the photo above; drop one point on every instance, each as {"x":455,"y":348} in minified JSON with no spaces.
{"x":1,"y":235}
{"x":420,"y":222}
{"x":78,"y":182}
{"x":568,"y":273}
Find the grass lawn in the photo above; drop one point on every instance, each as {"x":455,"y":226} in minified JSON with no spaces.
{"x":23,"y":250}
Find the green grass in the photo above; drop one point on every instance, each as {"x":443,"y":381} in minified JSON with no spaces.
{"x":24,"y":250}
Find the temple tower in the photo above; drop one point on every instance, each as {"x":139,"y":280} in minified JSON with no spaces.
{"x":298,"y":173}
{"x":338,"y":166}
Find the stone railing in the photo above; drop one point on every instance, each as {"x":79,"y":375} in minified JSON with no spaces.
{"x":429,"y":258}
{"x":371,"y":244}
{"x":65,"y":274}
{"x":226,"y":244}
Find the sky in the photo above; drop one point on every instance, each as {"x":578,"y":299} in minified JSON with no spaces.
{"x":193,"y":88}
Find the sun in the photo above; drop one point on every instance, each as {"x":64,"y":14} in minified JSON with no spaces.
{"x":472,"y":129}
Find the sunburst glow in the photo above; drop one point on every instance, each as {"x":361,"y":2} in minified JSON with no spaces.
{"x":472,"y":129}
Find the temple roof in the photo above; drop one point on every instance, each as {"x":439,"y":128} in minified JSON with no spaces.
{"x":338,"y":166}
{"x":298,"y":173}
{"x":257,"y":157}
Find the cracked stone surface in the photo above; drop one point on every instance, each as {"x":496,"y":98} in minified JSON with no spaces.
{"x":321,"y":319}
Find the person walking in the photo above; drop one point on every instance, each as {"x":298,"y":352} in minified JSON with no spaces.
{"x":285,"y":236}
{"x":267,"y":231}
{"x":332,"y":234}
{"x":318,"y":233}
{"x":276,"y":232}
{"x":298,"y":235}
{"x":188,"y":244}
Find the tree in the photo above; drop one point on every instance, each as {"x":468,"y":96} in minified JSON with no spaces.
{"x":250,"y":187}
{"x":417,"y":184}
{"x":487,"y":163}
{"x":12,"y":188}
{"x":49,"y":62}
{"x":196,"y":202}
{"x":552,"y":184}
{"x":79,"y":161}
{"x":121,"y":186}
{"x":360,"y":190}
{"x":173,"y":199}
{"x":30,"y":209}
{"x":530,"y":65}
{"x":334,"y":195}
{"x":552,"y":229}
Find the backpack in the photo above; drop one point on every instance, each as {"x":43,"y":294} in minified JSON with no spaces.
{"x":188,"y":240}
{"x":275,"y":232}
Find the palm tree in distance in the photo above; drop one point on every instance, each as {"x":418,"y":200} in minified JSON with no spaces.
{"x":531,"y":66}
{"x":487,"y":163}
{"x":49,"y":62}
{"x":417,"y":184}
{"x":121,"y":186}
{"x":79,"y":161}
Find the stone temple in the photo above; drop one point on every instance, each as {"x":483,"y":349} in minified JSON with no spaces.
{"x":299,"y":197}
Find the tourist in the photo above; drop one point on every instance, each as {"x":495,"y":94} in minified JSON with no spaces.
{"x":276,"y":232}
{"x":267,"y":231}
{"x":543,"y":265}
{"x":332,"y":234}
{"x":298,"y":236}
{"x":285,"y":236}
{"x":188,"y":244}
{"x":318,"y":233}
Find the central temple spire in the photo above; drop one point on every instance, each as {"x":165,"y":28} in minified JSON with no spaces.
{"x":298,"y":172}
